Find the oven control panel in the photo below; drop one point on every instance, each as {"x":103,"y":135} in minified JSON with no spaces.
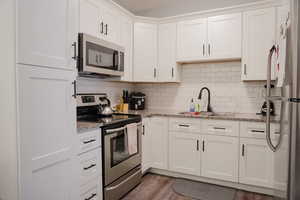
{"x":89,"y":99}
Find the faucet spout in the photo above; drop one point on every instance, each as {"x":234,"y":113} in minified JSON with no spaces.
{"x":208,"y":96}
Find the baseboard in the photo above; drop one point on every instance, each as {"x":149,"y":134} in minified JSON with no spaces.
{"x":239,"y":186}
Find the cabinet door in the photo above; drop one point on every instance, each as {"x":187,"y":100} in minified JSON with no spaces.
{"x":167,"y":67}
{"x":111,"y":22}
{"x":192,"y":38}
{"x":220,"y":157}
{"x":258,"y":38}
{"x":159,"y":142}
{"x":225,"y":36}
{"x":145,"y":52}
{"x":47,"y":131}
{"x":146,"y":145}
{"x":46,"y":33}
{"x":256,"y":162}
{"x":90,"y":21}
{"x":126,"y":42}
{"x":184,"y":153}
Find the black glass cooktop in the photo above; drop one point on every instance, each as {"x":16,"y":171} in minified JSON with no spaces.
{"x":104,"y":120}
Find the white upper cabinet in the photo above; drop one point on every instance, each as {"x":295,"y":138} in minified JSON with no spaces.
{"x":192,"y":39}
{"x":109,"y":25}
{"x":258,"y":38}
{"x":89,"y":18}
{"x":145,"y":52}
{"x":213,"y":38}
{"x":47,"y":118}
{"x":225,"y":36}
{"x":167,"y":66}
{"x":47,"y":33}
{"x":220,"y":158}
{"x":99,"y":20}
{"x":126,"y":28}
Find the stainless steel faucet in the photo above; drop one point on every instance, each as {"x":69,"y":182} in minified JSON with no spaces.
{"x":208,"y":96}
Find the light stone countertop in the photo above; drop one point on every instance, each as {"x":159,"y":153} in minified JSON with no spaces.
{"x":250,"y":117}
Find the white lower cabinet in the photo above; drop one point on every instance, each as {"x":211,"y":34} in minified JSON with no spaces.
{"x":159,"y":142}
{"x":192,"y":147}
{"x":90,"y":165}
{"x":256,"y":163}
{"x":92,"y":190}
{"x":146,"y":145}
{"x":184,"y":153}
{"x":220,"y":157}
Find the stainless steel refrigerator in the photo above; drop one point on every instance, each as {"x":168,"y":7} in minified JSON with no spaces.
{"x":286,"y":146}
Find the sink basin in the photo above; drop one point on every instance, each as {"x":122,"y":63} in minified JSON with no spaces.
{"x":198,"y":113}
{"x":206,"y":114}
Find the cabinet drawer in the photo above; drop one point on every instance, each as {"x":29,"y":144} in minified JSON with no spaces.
{"x":220,"y":127}
{"x":186,"y":125}
{"x":92,"y":190}
{"x":89,"y":140}
{"x":90,"y":165}
{"x":257,"y":130}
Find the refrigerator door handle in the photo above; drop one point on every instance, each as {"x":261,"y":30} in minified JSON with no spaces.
{"x":268,"y":97}
{"x":294,"y":100}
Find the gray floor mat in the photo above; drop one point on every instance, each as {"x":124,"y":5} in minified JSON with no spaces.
{"x":202,"y":191}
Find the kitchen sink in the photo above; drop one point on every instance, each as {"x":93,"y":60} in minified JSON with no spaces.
{"x":198,"y":113}
{"x":206,"y":114}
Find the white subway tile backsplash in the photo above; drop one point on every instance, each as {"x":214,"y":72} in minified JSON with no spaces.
{"x":228,"y":92}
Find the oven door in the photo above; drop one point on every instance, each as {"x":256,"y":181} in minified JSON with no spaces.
{"x":119,"y":159}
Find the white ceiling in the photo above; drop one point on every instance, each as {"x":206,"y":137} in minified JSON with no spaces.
{"x":166,"y":8}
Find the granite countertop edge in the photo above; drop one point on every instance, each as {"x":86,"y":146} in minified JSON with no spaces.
{"x":248,"y":117}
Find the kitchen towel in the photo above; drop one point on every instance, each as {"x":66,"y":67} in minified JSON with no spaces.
{"x":132,"y":134}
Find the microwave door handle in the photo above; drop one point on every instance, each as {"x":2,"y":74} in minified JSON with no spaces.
{"x":115,"y":62}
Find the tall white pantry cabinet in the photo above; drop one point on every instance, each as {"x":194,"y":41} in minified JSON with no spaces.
{"x":46,"y":70}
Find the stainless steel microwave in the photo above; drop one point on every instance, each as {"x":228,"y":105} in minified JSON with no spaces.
{"x":99,"y":57}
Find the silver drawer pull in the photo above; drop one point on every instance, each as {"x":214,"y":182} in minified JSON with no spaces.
{"x":219,"y":128}
{"x":184,"y":125}
{"x":257,"y":131}
{"x":92,"y":196}
{"x":277,"y":133}
{"x":89,"y":167}
{"x":89,"y":141}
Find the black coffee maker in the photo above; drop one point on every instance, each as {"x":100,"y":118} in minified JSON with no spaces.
{"x":263,"y":110}
{"x":137,"y":101}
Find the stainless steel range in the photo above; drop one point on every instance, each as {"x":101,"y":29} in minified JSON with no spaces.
{"x":121,"y":142}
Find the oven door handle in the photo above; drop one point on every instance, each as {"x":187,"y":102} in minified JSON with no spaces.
{"x":115,"y":130}
{"x":124,"y":181}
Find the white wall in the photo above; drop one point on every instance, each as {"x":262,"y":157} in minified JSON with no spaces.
{"x":228,"y":92}
{"x":8,"y":153}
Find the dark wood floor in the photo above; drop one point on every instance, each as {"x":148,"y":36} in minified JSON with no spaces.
{"x":155,"y":187}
